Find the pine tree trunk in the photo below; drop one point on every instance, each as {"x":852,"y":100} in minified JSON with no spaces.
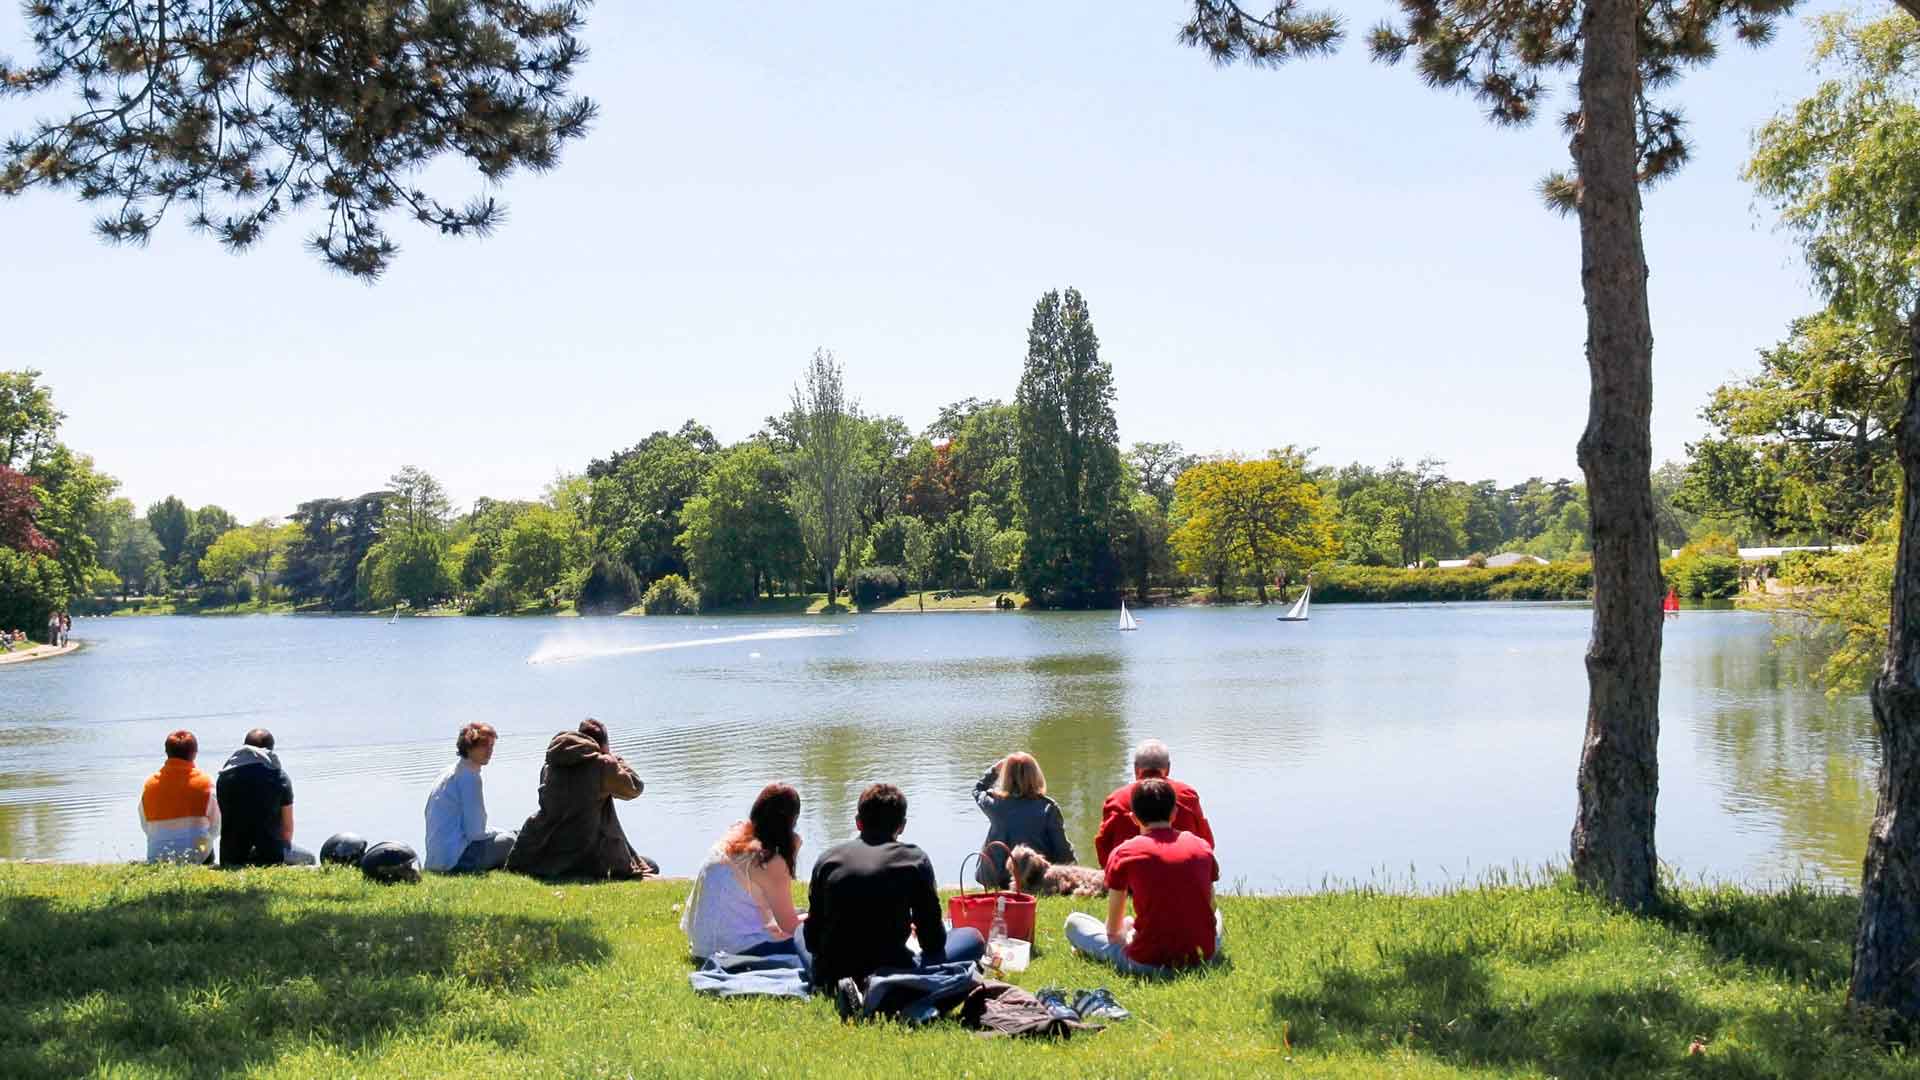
{"x":1886,"y":948}
{"x":1612,"y":846}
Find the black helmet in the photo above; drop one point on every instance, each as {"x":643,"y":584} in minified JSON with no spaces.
{"x":342,"y":849}
{"x":388,"y":862}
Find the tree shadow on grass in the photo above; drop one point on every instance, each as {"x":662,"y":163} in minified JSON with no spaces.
{"x":212,"y":981}
{"x":1606,"y":1013}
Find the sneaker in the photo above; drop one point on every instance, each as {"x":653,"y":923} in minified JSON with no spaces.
{"x":1100,"y":1005}
{"x":848,"y":1001}
{"x":1055,"y":1000}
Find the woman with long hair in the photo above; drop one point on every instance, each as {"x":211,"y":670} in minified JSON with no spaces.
{"x":1013,"y":795}
{"x":742,"y":898}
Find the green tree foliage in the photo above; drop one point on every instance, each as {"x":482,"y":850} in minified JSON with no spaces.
{"x":32,"y":587}
{"x":541,"y":547}
{"x":411,"y":566}
{"x":1069,"y":464}
{"x":828,"y":464}
{"x":71,"y":492}
{"x":636,"y":495}
{"x":739,"y":533}
{"x":171,"y":522}
{"x":670,"y":594}
{"x":1706,"y":569}
{"x":251,"y":552}
{"x":242,"y":112}
{"x":210,"y":522}
{"x":28,"y":420}
{"x":1844,"y":596}
{"x":1145,"y":542}
{"x":1156,"y":465}
{"x":335,"y":535}
{"x":917,"y":545}
{"x":135,"y":557}
{"x":1804,"y":449}
{"x":1251,"y":518}
{"x":609,"y":588}
{"x":416,"y":502}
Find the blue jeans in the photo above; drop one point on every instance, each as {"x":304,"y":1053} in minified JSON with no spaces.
{"x":487,"y":853}
{"x":1088,"y":936}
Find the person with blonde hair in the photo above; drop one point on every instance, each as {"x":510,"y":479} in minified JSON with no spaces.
{"x":1013,"y":795}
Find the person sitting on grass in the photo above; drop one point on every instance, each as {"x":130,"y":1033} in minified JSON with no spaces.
{"x":576,"y":833}
{"x":1169,"y":874}
{"x":867,"y":893}
{"x":458,"y":840}
{"x":256,"y":804}
{"x":1013,"y":795}
{"x":1150,"y":759}
{"x":742,"y":898}
{"x":177,"y":809}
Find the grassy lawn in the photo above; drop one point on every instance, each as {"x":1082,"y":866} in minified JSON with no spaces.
{"x":135,"y":971}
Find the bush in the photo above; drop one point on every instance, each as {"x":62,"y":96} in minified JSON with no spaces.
{"x":1388,"y":584}
{"x":1477,"y":560}
{"x":31,"y":588}
{"x":671,"y":595}
{"x":1702,"y":577}
{"x":495,"y":596}
{"x":609,"y":588}
{"x":873,"y":585}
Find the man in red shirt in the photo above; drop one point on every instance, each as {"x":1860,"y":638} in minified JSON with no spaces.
{"x":1116,"y":817}
{"x":1169,"y":874}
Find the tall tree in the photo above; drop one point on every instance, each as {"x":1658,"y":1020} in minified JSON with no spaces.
{"x":416,"y":503}
{"x":738,"y":532}
{"x":1069,"y":457}
{"x":28,"y":420}
{"x":210,"y":522}
{"x":1502,"y":51}
{"x":171,"y":522}
{"x":1843,"y":166}
{"x":636,"y":495}
{"x":1157,"y":465}
{"x":242,"y":112}
{"x":19,"y":507}
{"x":827,"y":463}
{"x":334,"y":535}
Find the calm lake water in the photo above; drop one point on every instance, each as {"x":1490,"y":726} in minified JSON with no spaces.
{"x":1407,"y":745}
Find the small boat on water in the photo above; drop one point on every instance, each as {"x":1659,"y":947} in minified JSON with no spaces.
{"x":1127,"y":621}
{"x":1298,"y":612}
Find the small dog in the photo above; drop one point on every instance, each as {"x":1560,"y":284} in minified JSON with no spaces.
{"x":1032,"y":873}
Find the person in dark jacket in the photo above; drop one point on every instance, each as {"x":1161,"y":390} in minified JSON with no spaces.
{"x":867,"y":893}
{"x":255,"y":798}
{"x":1013,"y":795}
{"x":575,"y":833}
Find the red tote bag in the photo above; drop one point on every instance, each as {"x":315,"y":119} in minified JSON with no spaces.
{"x":976,"y":909}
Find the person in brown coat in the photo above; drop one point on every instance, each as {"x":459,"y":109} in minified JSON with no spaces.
{"x":575,"y":833}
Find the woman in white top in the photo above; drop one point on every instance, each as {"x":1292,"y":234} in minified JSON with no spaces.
{"x":742,"y":898}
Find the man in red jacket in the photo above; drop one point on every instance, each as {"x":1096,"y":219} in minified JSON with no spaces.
{"x":1117,"y":826}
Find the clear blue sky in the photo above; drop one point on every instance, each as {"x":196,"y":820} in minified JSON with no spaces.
{"x":1330,"y":255}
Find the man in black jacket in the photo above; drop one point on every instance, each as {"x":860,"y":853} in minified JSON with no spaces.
{"x":867,"y":893}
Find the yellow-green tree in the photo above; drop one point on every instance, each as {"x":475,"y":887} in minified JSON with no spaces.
{"x":1250,"y":517}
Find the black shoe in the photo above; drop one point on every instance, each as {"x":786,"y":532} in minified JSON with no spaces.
{"x":848,"y":1001}
{"x":1055,"y":1000}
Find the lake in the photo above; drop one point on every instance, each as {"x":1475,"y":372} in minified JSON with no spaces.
{"x":1404,"y":745}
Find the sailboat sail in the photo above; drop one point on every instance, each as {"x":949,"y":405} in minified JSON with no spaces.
{"x":1298,"y":612}
{"x":1126,"y":618}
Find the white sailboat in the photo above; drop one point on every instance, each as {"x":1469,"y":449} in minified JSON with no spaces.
{"x":1298,"y":612}
{"x":1127,"y":621}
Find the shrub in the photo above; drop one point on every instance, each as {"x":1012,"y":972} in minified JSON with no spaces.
{"x":1477,"y":560}
{"x":610,"y":587}
{"x":495,"y":596}
{"x":873,"y":585}
{"x":1701,"y":576}
{"x":671,"y":595}
{"x":1389,"y":584}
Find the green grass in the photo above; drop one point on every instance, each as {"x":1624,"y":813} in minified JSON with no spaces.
{"x":137,"y":971}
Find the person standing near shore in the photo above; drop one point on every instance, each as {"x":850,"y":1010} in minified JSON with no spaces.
{"x":458,"y":840}
{"x":177,"y":809}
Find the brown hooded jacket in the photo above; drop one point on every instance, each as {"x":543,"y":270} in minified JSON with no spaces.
{"x":575,"y":833}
